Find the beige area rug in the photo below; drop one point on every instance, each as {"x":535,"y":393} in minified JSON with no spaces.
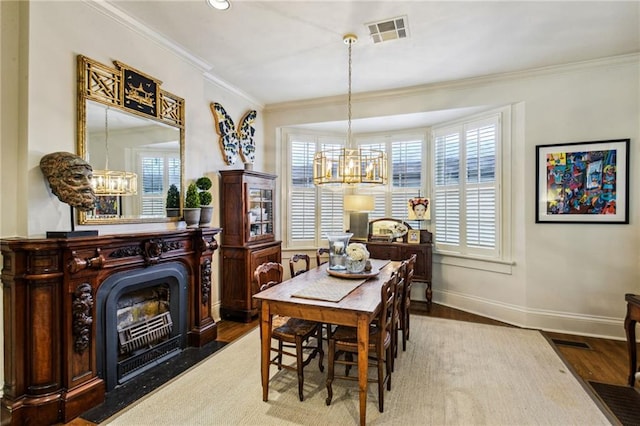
{"x":453,"y":373}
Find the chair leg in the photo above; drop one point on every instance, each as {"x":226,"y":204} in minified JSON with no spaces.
{"x":320,"y":348}
{"x":349,"y":358}
{"x":280,"y":347}
{"x":394,"y":344}
{"x":389,"y":367}
{"x":404,"y":340}
{"x":405,"y":329}
{"x":381,"y":379}
{"x":408,"y":323}
{"x":330,"y":372}
{"x":299,"y":367}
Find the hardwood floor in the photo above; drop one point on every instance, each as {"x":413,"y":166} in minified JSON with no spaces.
{"x":592,"y":359}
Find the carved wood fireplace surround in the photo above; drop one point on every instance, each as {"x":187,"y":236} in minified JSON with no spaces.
{"x":50,"y":307}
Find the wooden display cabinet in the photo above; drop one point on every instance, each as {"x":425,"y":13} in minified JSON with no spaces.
{"x":248,"y":219}
{"x":394,"y":250}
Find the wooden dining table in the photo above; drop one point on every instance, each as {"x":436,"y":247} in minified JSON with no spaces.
{"x":357,"y":309}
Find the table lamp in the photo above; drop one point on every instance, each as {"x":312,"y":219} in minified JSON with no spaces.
{"x":359,"y":207}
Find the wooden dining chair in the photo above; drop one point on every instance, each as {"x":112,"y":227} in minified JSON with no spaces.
{"x":322,"y":256}
{"x":290,"y":333}
{"x":400,"y":286}
{"x":293,"y":261}
{"x":344,"y":340}
{"x":406,"y":300}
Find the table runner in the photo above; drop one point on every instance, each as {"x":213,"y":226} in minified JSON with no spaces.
{"x":334,"y":289}
{"x":331,"y":289}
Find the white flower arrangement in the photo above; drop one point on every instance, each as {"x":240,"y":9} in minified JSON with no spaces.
{"x":357,"y":251}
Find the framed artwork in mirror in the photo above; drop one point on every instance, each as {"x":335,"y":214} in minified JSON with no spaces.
{"x":583,"y":182}
{"x":107,"y":206}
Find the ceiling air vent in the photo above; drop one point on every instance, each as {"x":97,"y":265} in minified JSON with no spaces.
{"x":389,"y":29}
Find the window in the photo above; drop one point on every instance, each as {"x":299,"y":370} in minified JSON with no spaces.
{"x":311,"y":211}
{"x":467,"y":194}
{"x":158,"y":171}
{"x":314,"y":211}
{"x":406,"y":176}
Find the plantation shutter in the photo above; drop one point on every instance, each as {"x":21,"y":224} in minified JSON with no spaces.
{"x":152,"y":185}
{"x":447,"y":187}
{"x":481,"y":186}
{"x":406,"y":176}
{"x":303,"y":195}
{"x":379,"y":206}
{"x":379,"y":199}
{"x":173,"y":172}
{"x":331,"y":203}
{"x":313,"y":211}
{"x":466,"y":187}
{"x":157,"y":171}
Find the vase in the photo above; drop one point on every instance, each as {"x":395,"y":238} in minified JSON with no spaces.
{"x":355,"y":266}
{"x":206,"y":213}
{"x":191,"y":216}
{"x":173,"y":212}
{"x":338,"y":243}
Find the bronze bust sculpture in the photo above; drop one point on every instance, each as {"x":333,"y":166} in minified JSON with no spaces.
{"x":69,"y":177}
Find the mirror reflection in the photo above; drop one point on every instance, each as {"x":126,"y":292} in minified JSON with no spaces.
{"x":117,"y":141}
{"x":131,"y":131}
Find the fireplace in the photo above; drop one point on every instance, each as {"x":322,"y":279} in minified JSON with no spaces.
{"x":84,"y":315}
{"x":141,"y":320}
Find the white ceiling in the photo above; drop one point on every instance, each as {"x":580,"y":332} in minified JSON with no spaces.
{"x":278,"y":51}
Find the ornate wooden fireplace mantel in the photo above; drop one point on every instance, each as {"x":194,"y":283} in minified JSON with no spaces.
{"x":49,"y":290}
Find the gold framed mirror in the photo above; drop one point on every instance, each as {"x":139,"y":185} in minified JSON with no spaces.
{"x":132,"y":133}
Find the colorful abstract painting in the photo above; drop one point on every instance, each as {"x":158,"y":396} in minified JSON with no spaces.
{"x":583,"y":181}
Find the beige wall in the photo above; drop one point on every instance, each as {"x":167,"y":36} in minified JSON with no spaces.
{"x":564,"y":277}
{"x":54,"y":45}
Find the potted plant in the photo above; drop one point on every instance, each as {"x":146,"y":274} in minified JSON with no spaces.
{"x":192,"y":206}
{"x":173,"y":201}
{"x":205,"y":197}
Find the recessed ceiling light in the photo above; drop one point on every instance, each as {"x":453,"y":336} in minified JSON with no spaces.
{"x":219,"y":4}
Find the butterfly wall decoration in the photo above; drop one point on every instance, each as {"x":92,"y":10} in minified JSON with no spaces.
{"x":232,"y":141}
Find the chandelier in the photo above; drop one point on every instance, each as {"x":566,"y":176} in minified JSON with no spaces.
{"x":112,"y":182}
{"x":350,"y":165}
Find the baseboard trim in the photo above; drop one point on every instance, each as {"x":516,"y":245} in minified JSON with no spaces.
{"x":552,"y":321}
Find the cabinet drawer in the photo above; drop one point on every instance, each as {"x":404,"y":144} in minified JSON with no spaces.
{"x":385,"y":251}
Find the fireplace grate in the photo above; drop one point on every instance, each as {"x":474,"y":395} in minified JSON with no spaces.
{"x":145,"y":333}
{"x":141,"y":362}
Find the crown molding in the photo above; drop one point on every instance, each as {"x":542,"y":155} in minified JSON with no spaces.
{"x":212,"y":78}
{"x":457,"y":84}
{"x":110,"y":10}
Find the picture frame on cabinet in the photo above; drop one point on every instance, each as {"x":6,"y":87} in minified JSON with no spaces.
{"x":413,"y":236}
{"x":583,"y":182}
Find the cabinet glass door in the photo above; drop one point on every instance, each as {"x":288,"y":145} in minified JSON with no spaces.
{"x":260,"y":213}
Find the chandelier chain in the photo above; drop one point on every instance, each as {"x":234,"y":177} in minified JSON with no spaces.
{"x":350,"y":164}
{"x":349,"y":99}
{"x":106,"y":138}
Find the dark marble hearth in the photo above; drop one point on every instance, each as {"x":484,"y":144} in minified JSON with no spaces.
{"x":134,"y":389}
